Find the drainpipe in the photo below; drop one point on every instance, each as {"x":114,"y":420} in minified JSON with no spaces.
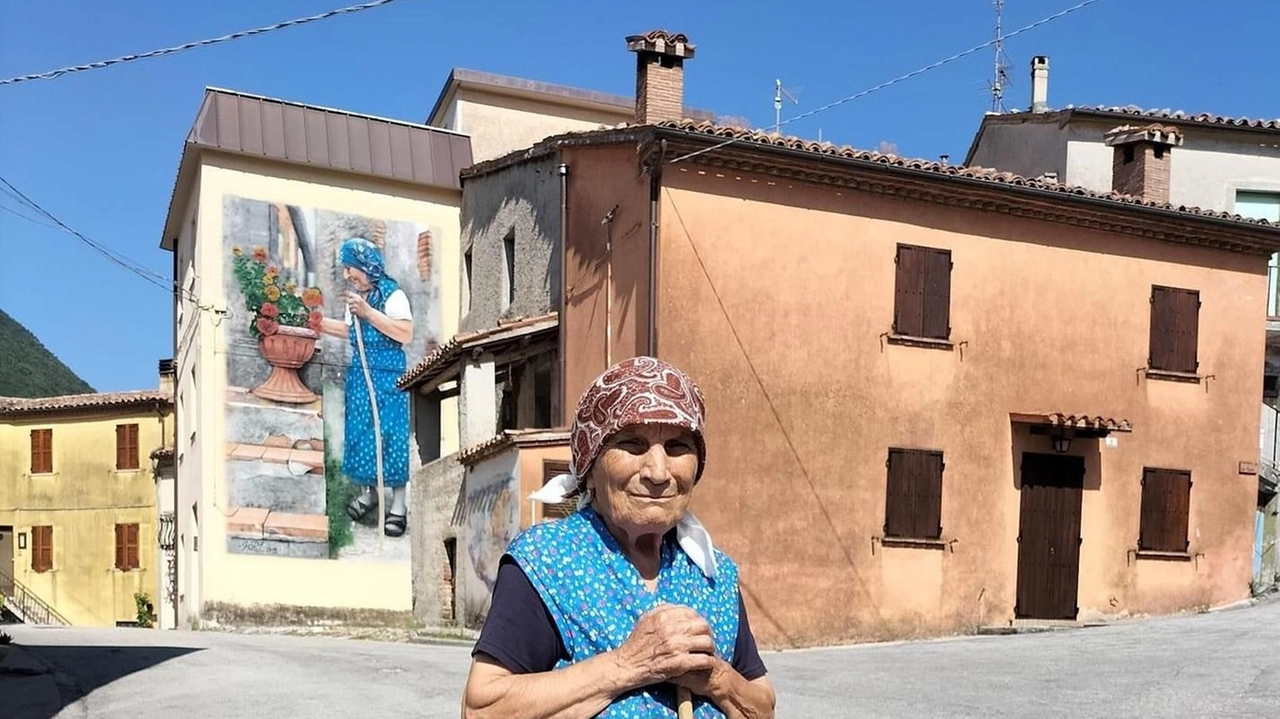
{"x":655,"y":186}
{"x":563,"y":171}
{"x":608,"y":290}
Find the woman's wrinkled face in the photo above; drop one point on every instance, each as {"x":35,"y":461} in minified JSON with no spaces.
{"x":356,"y":278}
{"x":643,"y":479}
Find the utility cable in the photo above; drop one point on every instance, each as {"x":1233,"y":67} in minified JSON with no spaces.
{"x":192,"y":45}
{"x":900,"y":78}
{"x":137,"y":268}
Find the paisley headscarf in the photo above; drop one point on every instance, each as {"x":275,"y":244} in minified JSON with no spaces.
{"x":365,"y":256}
{"x":640,"y":390}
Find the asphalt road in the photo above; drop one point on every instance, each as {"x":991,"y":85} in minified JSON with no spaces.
{"x":1225,"y":664}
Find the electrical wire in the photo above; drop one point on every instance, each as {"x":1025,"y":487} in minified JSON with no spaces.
{"x":900,"y":78}
{"x":192,"y":45}
{"x":150,"y":276}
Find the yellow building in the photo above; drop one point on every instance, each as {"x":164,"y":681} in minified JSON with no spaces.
{"x":78,"y":501}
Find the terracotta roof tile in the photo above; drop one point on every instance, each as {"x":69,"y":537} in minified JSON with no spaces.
{"x":448,"y":352}
{"x":1202,"y":118}
{"x":78,"y":402}
{"x":995,"y":177}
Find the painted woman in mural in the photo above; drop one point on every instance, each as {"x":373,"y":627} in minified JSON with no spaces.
{"x":378,"y":323}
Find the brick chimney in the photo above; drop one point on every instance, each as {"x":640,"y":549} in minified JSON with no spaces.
{"x":1040,"y":83}
{"x":1140,"y":165}
{"x":660,"y":60}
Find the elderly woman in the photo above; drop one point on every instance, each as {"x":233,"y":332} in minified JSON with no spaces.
{"x":379,"y":311}
{"x":607,"y":611}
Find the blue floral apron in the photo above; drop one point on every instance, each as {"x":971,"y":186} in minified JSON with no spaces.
{"x":359,"y":451}
{"x":596,"y":596}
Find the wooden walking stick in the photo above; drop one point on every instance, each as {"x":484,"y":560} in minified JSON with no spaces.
{"x":684,"y":703}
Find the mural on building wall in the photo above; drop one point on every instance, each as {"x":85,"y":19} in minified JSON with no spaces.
{"x":492,"y":521}
{"x":327,"y":310}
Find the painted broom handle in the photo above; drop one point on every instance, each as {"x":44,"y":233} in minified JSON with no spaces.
{"x":684,"y":703}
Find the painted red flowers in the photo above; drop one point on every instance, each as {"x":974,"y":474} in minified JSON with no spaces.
{"x":273,"y":296}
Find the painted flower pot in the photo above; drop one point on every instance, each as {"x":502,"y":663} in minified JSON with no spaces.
{"x":287,"y":349}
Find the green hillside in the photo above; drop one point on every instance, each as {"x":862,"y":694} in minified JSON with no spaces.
{"x":28,"y":369}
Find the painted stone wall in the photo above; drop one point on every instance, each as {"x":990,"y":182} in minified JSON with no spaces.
{"x":301,"y":435}
{"x":492,"y":519}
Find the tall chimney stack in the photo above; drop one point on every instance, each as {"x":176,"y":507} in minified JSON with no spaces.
{"x":660,"y":60}
{"x":1040,"y":83}
{"x":1140,"y":164}
{"x":168,"y":375}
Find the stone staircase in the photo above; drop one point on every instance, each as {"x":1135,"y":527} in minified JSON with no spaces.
{"x":275,"y":476}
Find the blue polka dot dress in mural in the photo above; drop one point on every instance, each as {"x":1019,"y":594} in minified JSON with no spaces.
{"x":386,"y":362}
{"x":596,"y":596}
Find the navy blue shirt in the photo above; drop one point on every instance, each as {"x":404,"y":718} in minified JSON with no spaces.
{"x":521,"y":635}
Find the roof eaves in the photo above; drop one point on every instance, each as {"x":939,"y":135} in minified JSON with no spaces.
{"x":435,"y":362}
{"x":974,"y":176}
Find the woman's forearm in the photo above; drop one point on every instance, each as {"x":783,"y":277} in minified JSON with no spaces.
{"x":580,"y":690}
{"x":330,"y":326}
{"x":739,"y":698}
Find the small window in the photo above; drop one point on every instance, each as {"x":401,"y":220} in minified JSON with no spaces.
{"x":922,"y":293}
{"x":913,"y":497}
{"x":41,"y":451}
{"x":1166,"y":505}
{"x":126,"y":547}
{"x":466,"y":280}
{"x":509,"y":257}
{"x":41,"y":549}
{"x":551,"y":468}
{"x":1175,"y":324}
{"x":127,"y":446}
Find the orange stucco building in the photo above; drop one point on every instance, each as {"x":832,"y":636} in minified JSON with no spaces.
{"x":939,"y":398}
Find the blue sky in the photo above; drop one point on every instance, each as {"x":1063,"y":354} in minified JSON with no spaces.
{"x":100,"y":149}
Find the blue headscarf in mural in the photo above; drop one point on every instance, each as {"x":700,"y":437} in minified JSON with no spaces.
{"x":365,"y":256}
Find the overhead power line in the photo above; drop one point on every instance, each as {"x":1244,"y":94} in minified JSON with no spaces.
{"x":192,"y":45}
{"x":137,"y":268}
{"x":901,"y":78}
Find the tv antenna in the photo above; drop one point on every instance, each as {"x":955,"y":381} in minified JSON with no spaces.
{"x":780,"y":93}
{"x":1001,"y":78}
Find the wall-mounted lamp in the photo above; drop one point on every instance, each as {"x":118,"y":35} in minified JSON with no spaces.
{"x":1062,"y":440}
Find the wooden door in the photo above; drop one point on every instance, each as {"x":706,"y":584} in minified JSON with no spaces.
{"x":6,"y":560}
{"x":1049,"y":536}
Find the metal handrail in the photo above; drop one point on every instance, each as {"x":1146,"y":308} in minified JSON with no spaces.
{"x":27,"y":605}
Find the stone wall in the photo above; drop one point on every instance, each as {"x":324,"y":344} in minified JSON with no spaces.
{"x":436,"y":512}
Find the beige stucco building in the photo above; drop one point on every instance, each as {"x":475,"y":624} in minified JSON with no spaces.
{"x":1225,"y":164}
{"x":938,"y":398}
{"x":78,"y":519}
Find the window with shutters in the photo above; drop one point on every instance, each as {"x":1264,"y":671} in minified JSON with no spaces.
{"x":41,"y":549}
{"x":922,"y":293}
{"x":1175,"y":326}
{"x":551,"y":468}
{"x":41,"y":451}
{"x":913,"y":497}
{"x":1166,"y":505}
{"x":126,"y":547}
{"x":127,"y":446}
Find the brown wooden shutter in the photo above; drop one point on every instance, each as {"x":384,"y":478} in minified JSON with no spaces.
{"x":551,"y":468}
{"x":121,"y":561}
{"x":1175,"y":329}
{"x":1166,"y":503}
{"x":908,"y":301}
{"x":897,"y":501}
{"x":936,"y":321}
{"x":131,"y":546}
{"x":126,"y":446}
{"x":929,"y":496}
{"x":41,"y":548}
{"x":1186,"y":330}
{"x":41,"y":451}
